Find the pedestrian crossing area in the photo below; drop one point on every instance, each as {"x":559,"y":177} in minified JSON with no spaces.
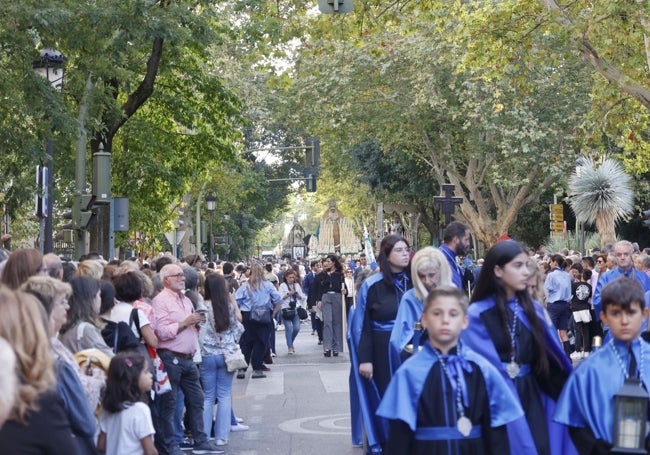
{"x":282,"y":379}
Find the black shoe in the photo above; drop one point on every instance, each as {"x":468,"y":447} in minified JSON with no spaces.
{"x":327,"y":353}
{"x":241,"y":374}
{"x":335,"y":353}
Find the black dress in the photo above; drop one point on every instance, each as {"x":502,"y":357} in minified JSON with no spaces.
{"x":528,"y":386}
{"x":437,"y":407}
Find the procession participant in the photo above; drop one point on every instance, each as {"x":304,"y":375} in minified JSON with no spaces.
{"x":513,"y":333}
{"x":446,"y":398}
{"x":586,"y":404}
{"x":429,"y":269}
{"x":369,"y":331}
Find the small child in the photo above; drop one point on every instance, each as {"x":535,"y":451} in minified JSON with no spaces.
{"x":586,"y":404}
{"x":125,"y":421}
{"x":446,"y":398}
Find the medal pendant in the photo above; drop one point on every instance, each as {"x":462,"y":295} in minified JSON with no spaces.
{"x":464,"y":426}
{"x":512,"y":369}
{"x":175,"y":361}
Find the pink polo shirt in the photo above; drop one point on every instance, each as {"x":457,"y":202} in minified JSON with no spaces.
{"x":170,"y":308}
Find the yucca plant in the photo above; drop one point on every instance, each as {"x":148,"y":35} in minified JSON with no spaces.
{"x":601,"y":193}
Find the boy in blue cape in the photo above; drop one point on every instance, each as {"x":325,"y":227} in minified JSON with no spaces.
{"x":446,"y":398}
{"x":586,"y":404}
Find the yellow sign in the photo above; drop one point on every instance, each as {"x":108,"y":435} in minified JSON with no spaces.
{"x":556,"y":216}
{"x":556,"y":208}
{"x":556,"y":234}
{"x":557,"y":226}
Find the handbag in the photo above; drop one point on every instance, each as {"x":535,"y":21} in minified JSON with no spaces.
{"x":288,"y":313}
{"x":235,"y":360}
{"x":261,"y":315}
{"x":302,"y":313}
{"x":161,"y":378}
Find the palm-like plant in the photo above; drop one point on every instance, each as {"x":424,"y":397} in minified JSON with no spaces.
{"x":601,"y":193}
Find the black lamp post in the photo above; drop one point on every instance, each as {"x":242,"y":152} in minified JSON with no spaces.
{"x":50,"y":67}
{"x":211,"y":202}
{"x":630,"y":417}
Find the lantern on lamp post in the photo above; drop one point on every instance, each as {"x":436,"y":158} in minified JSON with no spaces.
{"x":50,"y":67}
{"x":630,"y":417}
{"x":211,"y":202}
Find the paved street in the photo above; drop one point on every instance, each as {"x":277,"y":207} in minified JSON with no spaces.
{"x":301,"y":407}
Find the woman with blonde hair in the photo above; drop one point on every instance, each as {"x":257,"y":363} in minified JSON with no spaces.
{"x":90,"y":267}
{"x":38,"y":423}
{"x":429,"y":270}
{"x":256,"y":294}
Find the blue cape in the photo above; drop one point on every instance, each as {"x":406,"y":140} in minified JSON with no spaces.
{"x":408,"y":382}
{"x":364,"y":396}
{"x":587,"y":399}
{"x":477,"y":337}
{"x":409,"y":312}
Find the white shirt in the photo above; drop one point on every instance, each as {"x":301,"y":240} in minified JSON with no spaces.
{"x":121,"y":312}
{"x":124,"y":430}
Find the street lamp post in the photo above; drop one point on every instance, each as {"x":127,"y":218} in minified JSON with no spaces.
{"x":50,"y":67}
{"x":211,"y":201}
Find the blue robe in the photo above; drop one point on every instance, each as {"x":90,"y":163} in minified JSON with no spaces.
{"x":364,"y":396}
{"x":403,"y":394}
{"x":587,"y":399}
{"x":477,"y":338}
{"x":409,"y":312}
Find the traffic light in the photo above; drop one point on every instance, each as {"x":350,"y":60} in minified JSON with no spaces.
{"x":311,"y":183}
{"x":312,"y":153}
{"x":83,"y":215}
{"x":335,"y":6}
{"x":646,"y":215}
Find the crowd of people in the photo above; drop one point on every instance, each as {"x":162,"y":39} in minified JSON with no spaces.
{"x":447,"y":354}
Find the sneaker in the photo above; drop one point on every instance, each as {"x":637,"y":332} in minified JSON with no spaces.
{"x":187,"y":444}
{"x":206,"y":447}
{"x":221,"y":442}
{"x":241,"y":374}
{"x":239,"y":427}
{"x":258,"y":374}
{"x":239,"y":420}
{"x":576,"y":355}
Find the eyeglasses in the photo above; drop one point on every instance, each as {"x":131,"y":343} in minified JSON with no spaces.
{"x":178,"y":275}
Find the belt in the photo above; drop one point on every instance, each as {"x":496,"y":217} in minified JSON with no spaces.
{"x":445,"y":433}
{"x":177,"y":354}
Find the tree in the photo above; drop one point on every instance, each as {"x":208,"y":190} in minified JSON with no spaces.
{"x":407,"y":90}
{"x":601,"y":193}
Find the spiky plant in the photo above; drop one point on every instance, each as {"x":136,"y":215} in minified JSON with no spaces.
{"x":601,"y":193}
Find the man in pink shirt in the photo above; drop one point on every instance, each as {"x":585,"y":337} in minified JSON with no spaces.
{"x":175,"y":325}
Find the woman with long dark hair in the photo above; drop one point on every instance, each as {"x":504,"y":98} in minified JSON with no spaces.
{"x":218,"y":338}
{"x":82,"y":328}
{"x":369,"y":332}
{"x":512,"y":331}
{"x":331,"y":285}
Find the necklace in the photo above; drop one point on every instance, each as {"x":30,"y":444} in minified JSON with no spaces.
{"x":463,"y":424}
{"x":624,"y":369}
{"x":513,"y":367}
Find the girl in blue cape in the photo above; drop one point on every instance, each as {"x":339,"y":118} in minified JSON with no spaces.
{"x":369,"y":329}
{"x":429,"y":269}
{"x":446,"y":398}
{"x":514,"y":334}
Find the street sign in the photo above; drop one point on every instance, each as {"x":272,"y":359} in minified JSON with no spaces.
{"x":557,"y":226}
{"x":554,"y":216}
{"x":556,"y":208}
{"x":556,"y":234}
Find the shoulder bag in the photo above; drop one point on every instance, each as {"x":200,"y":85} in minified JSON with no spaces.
{"x":259,"y":314}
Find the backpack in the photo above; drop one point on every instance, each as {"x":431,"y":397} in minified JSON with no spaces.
{"x":119,"y":336}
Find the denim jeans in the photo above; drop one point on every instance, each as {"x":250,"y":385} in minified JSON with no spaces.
{"x":183,"y":374}
{"x":217,"y":384}
{"x":291,"y":329}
